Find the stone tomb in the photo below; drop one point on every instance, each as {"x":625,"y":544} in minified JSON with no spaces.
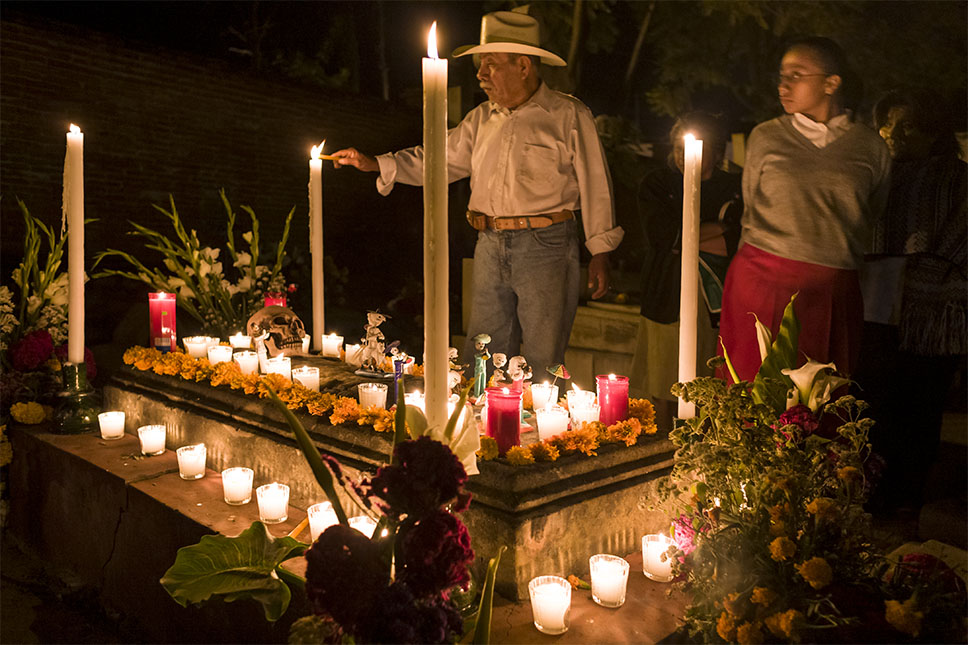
{"x":551,"y":516}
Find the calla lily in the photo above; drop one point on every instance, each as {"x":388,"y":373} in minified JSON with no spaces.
{"x":813,"y":386}
{"x":464,"y":443}
{"x":763,"y":338}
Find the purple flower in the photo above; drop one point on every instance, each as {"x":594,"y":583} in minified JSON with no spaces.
{"x":684,"y":534}
{"x":434,"y":554}
{"x":32,"y":351}
{"x":800,"y":416}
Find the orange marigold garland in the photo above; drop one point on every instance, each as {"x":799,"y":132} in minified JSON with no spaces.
{"x":544,"y":451}
{"x":519,"y":456}
{"x":345,"y":410}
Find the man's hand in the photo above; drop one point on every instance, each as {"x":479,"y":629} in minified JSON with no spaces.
{"x":355,"y":158}
{"x":598,"y":275}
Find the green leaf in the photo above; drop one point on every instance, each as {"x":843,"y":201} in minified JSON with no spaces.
{"x":482,"y":630}
{"x":234,"y":568}
{"x":399,"y":421}
{"x":770,"y":385}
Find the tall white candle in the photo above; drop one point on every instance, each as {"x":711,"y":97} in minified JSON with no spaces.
{"x":689,"y":281}
{"x":436,"y":305}
{"x":316,"y":241}
{"x":73,"y":208}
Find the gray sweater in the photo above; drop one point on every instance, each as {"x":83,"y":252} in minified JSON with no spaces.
{"x":811,"y":204}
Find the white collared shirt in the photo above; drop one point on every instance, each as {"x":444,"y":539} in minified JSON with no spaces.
{"x":821,"y":134}
{"x":542,"y":157}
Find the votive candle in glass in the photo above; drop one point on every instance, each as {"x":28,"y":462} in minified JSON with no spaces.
{"x":610,"y":577}
{"x":191,"y":461}
{"x":277,"y":298}
{"x":219,"y":354}
{"x":613,"y":398}
{"x":372,"y":394}
{"x":248,"y":361}
{"x":354,"y":354}
{"x":552,"y":420}
{"x":280,"y":365}
{"x":112,"y":424}
{"x":654,"y":565}
{"x":543,"y":394}
{"x":308,"y":376}
{"x":237,"y":485}
{"x":503,"y":417}
{"x":332,"y":344}
{"x":305,"y":344}
{"x":321,"y":517}
{"x":152,"y":439}
{"x":416,"y":399}
{"x":240,"y":341}
{"x":273,"y":502}
{"x":161,"y":314}
{"x":196,"y":346}
{"x":550,"y":604}
{"x":363,"y":523}
{"x":576,"y":397}
{"x":584,"y":413}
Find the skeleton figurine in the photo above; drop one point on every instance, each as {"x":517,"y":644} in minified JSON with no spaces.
{"x":454,"y":371}
{"x":374,"y":347}
{"x":499,"y":360}
{"x":480,"y":363}
{"x":282,"y":329}
{"x":518,"y":370}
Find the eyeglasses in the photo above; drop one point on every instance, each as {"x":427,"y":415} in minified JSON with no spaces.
{"x":794,"y":78}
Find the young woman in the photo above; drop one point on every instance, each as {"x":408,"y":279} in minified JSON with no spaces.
{"x":813,"y":185}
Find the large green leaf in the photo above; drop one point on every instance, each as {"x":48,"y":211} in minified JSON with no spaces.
{"x":770,"y":385}
{"x":234,"y":568}
{"x":482,"y":628}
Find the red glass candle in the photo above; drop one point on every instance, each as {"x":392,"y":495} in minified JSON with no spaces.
{"x":161,"y":314}
{"x":613,"y":398}
{"x":275,"y":298}
{"x":504,"y":417}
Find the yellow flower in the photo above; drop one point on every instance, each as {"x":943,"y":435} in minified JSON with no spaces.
{"x":782,"y":548}
{"x":732,"y":604}
{"x":644,"y":412}
{"x":904,"y":616}
{"x":749,"y":634}
{"x":29,"y":413}
{"x":345,"y":409}
{"x":816,"y":572}
{"x":543,"y":451}
{"x":488,"y":449}
{"x":824,"y":508}
{"x":626,"y":432}
{"x":726,"y":627}
{"x":319,"y":403}
{"x":785,"y":624}
{"x":763,"y":596}
{"x":380,"y":418}
{"x":518,"y":456}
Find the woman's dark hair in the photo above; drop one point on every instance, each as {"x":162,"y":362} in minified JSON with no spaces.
{"x":834,"y":61}
{"x":929,"y":112}
{"x":705,"y":126}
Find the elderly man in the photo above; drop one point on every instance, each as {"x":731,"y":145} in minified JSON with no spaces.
{"x":534,"y":159}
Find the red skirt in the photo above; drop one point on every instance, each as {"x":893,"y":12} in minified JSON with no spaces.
{"x":829,"y":306}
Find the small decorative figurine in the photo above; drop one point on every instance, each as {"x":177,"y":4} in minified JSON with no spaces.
{"x":454,"y":371}
{"x":518,"y":370}
{"x":480,"y":362}
{"x":373,"y":349}
{"x":499,"y":360}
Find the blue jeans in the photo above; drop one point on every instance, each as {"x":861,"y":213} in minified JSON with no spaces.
{"x":525,"y":293}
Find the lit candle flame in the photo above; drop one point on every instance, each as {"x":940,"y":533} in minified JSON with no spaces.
{"x":432,"y":41}
{"x":75,"y":129}
{"x":689,"y":138}
{"x":575,"y":385}
{"x":611,"y":377}
{"x":317,"y":150}
{"x":504,"y":390}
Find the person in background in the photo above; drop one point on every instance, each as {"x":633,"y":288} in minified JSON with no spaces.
{"x":814,"y":183}
{"x":655,"y":362}
{"x":915,"y":293}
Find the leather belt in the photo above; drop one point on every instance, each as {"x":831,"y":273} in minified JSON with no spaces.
{"x":480,"y":221}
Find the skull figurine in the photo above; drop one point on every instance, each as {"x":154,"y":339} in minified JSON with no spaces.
{"x":284,"y":328}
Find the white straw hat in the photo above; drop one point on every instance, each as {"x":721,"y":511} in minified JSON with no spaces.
{"x":513,"y":33}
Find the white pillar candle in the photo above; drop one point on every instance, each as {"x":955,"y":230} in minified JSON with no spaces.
{"x":654,"y":565}
{"x":273,"y":502}
{"x":248,"y":361}
{"x":364,"y":524}
{"x":73,"y":212}
{"x":316,"y":239}
{"x":543,"y":394}
{"x":436,"y":263}
{"x":152,"y":439}
{"x":308,"y":376}
{"x":240,"y":341}
{"x":112,"y":424}
{"x":237,"y":485}
{"x":372,"y":394}
{"x":550,"y":604}
{"x":552,"y":420}
{"x":584,"y":412}
{"x":353,"y":356}
{"x":331,"y":345}
{"x":280,"y":365}
{"x":321,"y":517}
{"x":610,"y":576}
{"x":219,"y":354}
{"x":191,"y":461}
{"x":196,"y":346}
{"x":689,"y":279}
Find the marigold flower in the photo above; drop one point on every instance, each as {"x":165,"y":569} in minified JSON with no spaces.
{"x":380,"y":418}
{"x":904,"y":616}
{"x":29,"y":413}
{"x":583,"y":440}
{"x":543,"y":451}
{"x":750,"y":633}
{"x":644,"y":412}
{"x":824,"y":508}
{"x":763,"y":596}
{"x":488,"y":449}
{"x":733,"y":604}
{"x":782,"y":548}
{"x":578,"y":583}
{"x":626,"y":432}
{"x":726,"y":627}
{"x":785,"y":624}
{"x":816,"y":572}
{"x":518,"y":456}
{"x":345,"y":409}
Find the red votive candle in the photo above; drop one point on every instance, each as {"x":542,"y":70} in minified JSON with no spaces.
{"x":613,"y":398}
{"x":161,"y":314}
{"x":275,"y":298}
{"x":504,"y":417}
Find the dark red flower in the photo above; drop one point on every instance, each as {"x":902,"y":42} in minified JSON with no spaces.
{"x":401,"y":618}
{"x":88,"y":360}
{"x":800,"y":416}
{"x":434,"y":554}
{"x":31,"y":351}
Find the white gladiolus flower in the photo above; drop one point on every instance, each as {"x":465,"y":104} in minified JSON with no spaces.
{"x":247,"y":237}
{"x":763,"y":338}
{"x":244,"y":259}
{"x":244,"y":284}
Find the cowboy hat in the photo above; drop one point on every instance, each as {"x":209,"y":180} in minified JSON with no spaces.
{"x":510,"y":32}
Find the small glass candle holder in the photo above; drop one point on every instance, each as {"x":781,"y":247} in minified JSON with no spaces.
{"x":191,"y":461}
{"x":610,"y":577}
{"x":237,"y":485}
{"x":196,"y":346}
{"x":152,"y":439}
{"x":503,"y":421}
{"x":273,"y":502}
{"x":373,"y":394}
{"x":363,"y":523}
{"x":416,"y":399}
{"x":543,"y":394}
{"x":577,"y":398}
{"x":354,"y":354}
{"x":280,"y":365}
{"x":332,"y":344}
{"x":321,"y":517}
{"x":552,"y":420}
{"x":305,"y":343}
{"x":584,"y":413}
{"x":550,"y":604}
{"x":307,"y":376}
{"x":655,"y":565}
{"x":219,"y":354}
{"x":240,"y":341}
{"x":112,"y":424}
{"x":248,"y":361}
{"x":613,"y":397}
